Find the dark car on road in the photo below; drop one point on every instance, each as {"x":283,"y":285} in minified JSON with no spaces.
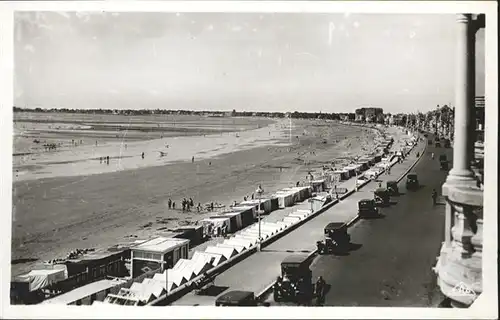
{"x":447,"y":143}
{"x":412,"y":182}
{"x":295,"y":282}
{"x":382,"y":197}
{"x":336,"y":239}
{"x":367,"y":208}
{"x":236,"y":298}
{"x":392,"y":187}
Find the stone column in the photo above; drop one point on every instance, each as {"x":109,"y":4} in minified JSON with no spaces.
{"x":459,"y":266}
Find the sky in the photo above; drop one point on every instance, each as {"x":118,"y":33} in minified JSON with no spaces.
{"x":328,"y":62}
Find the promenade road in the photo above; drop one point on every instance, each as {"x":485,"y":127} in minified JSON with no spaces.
{"x":392,"y":265}
{"x":260,"y":269}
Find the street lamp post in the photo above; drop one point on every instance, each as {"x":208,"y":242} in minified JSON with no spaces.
{"x":259,"y":192}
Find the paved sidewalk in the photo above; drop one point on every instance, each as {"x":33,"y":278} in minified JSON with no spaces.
{"x":260,"y":269}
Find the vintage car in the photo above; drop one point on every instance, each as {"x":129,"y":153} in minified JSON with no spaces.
{"x":392,"y":187}
{"x":237,"y":298}
{"x":336,"y":239}
{"x":367,"y":208}
{"x":412,"y":182}
{"x":295,"y":282}
{"x":429,"y":142}
{"x":437,"y":144}
{"x":382,"y":197}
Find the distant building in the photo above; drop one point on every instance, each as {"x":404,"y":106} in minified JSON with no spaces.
{"x":370,"y":114}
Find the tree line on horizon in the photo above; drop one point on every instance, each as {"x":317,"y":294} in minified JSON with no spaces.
{"x":234,"y":113}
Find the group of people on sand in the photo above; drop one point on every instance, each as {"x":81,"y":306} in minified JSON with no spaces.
{"x":105,"y":159}
{"x":187,"y":205}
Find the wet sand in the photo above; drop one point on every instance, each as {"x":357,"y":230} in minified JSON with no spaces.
{"x":52,"y":216}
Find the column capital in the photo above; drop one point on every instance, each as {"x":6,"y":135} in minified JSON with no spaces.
{"x":464,"y":17}
{"x":465,"y":192}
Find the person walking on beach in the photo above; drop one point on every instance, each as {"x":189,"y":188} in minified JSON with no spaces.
{"x":100,"y":159}
{"x":183,"y":204}
{"x":143,"y":155}
{"x":173,"y":205}
{"x":107,"y":159}
{"x":192,"y":159}
{"x":191,"y":202}
{"x":169,"y":203}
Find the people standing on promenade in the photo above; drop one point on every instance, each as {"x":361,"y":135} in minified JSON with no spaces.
{"x":320,"y":291}
{"x":434,"y":196}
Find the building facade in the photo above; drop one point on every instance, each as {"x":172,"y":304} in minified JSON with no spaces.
{"x":459,"y":266}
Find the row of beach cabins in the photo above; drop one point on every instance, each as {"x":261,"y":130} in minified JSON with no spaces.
{"x":161,"y":266}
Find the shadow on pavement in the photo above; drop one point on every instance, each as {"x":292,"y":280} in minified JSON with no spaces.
{"x":379,"y":216}
{"x":214,"y":290}
{"x":354,"y":246}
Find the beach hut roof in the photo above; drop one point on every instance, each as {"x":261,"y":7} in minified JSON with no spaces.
{"x":217,"y":258}
{"x":161,"y":245}
{"x":228,"y":253}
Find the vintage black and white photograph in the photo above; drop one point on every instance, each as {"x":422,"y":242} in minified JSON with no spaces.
{"x":265,"y":158}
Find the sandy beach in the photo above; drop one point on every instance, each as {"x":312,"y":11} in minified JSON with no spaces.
{"x":71,"y":200}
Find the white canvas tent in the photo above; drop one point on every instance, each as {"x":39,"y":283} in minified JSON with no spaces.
{"x":239,"y":242}
{"x":161,"y":278}
{"x":285,"y":199}
{"x":41,"y":278}
{"x":292,"y":220}
{"x":176,"y":277}
{"x":217,"y":258}
{"x":185,"y":267}
{"x":238,"y":249}
{"x":228,"y":253}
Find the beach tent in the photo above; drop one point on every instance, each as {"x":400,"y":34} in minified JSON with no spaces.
{"x":247,"y":237}
{"x":274,"y":203}
{"x":154,"y":287}
{"x":285,"y":199}
{"x":201,"y":264}
{"x":176,"y":277}
{"x":145,"y":292}
{"x":238,"y":248}
{"x":264,"y":230}
{"x":265,"y":204}
{"x":274,"y":225}
{"x":44,"y":276}
{"x":248,"y":214}
{"x":217,"y":258}
{"x":235,"y":220}
{"x":351,"y":169}
{"x":185,"y":267}
{"x":161,"y":278}
{"x":227,"y":253}
{"x":217,"y":224}
{"x":319,"y":185}
{"x":341,"y":175}
{"x":238,"y":242}
{"x":292,"y":220}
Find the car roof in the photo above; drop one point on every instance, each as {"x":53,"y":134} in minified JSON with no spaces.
{"x":296,"y":258}
{"x":412,"y":175}
{"x":381,"y":190}
{"x":366,"y":200}
{"x":334,"y":225}
{"x":234,"y":296}
{"x":392,"y":181}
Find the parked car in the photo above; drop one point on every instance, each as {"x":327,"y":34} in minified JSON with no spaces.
{"x":367,"y":208}
{"x":295,"y":282}
{"x":382,"y":197}
{"x":362,"y":179}
{"x":336,"y":239}
{"x":412,"y":182}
